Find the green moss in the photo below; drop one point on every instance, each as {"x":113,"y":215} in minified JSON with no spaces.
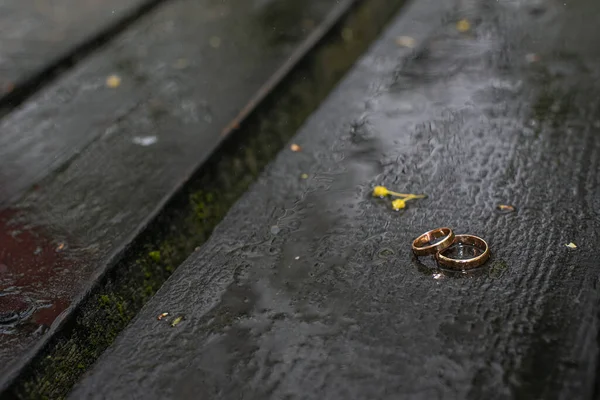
{"x":155,"y":255}
{"x":104,"y":300}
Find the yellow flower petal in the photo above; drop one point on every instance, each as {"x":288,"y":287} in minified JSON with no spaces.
{"x":398,"y":204}
{"x":571,"y":245}
{"x":113,"y":81}
{"x":463,"y":25}
{"x":380,"y":191}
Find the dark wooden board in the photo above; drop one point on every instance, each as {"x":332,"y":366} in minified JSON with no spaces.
{"x":84,"y":167}
{"x":309,"y":290}
{"x":35,"y":34}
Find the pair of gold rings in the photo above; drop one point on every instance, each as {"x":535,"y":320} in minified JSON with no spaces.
{"x":427,"y":244}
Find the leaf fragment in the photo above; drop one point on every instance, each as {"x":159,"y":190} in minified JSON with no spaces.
{"x":161,"y":316}
{"x":506,"y":207}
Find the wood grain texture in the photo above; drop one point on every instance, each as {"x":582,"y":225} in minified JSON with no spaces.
{"x":334,"y":305}
{"x":75,"y":169}
{"x":34,"y":33}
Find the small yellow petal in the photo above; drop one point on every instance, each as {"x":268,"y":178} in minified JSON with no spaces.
{"x":398,"y":204}
{"x":380,"y":191}
{"x":304,"y":176}
{"x":463,"y":25}
{"x":113,"y":81}
{"x":571,"y":245}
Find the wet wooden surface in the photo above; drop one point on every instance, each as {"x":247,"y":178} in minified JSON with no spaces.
{"x":89,"y":158}
{"x":34,"y":34}
{"x":309,"y":289}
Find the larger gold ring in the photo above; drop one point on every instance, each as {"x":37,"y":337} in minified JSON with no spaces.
{"x":467,"y":263}
{"x":422,"y":245}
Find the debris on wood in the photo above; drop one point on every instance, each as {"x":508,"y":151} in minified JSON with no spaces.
{"x":405,"y":41}
{"x":382,"y":191}
{"x":463,"y":26}
{"x":398,"y":204}
{"x":295,"y":148}
{"x":506,"y":207}
{"x":113,"y":81}
{"x":161,"y":316}
{"x":177,"y":320}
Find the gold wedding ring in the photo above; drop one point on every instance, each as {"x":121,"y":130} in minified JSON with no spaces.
{"x":423,"y":246}
{"x":467,"y":263}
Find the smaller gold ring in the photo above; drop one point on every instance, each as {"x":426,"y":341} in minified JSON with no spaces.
{"x":467,"y":263}
{"x":422,"y":245}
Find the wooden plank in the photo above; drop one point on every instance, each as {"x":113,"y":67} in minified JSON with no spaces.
{"x":308,"y":289}
{"x":104,"y":159}
{"x":215,"y":39}
{"x":36,"y":34}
